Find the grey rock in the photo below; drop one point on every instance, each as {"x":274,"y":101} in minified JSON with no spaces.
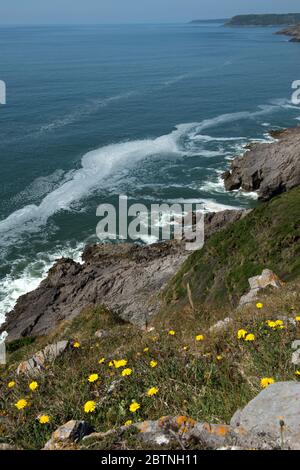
{"x":221,"y":325}
{"x":266,"y":279}
{"x":127,"y":278}
{"x":296,"y":344}
{"x":269,"y":169}
{"x":37,"y":362}
{"x":72,"y":431}
{"x":293,"y":31}
{"x":296,"y":357}
{"x":100,"y":334}
{"x":271,"y":420}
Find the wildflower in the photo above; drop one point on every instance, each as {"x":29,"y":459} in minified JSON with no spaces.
{"x":44,"y":419}
{"x":146,"y":349}
{"x":93,"y":378}
{"x":126,"y":372}
{"x":128,"y":422}
{"x":134,"y":407}
{"x":250,"y":337}
{"x":219,"y":357}
{"x":279,"y":323}
{"x":153,"y":364}
{"x":33,"y":386}
{"x":172,"y":333}
{"x":241,"y":334}
{"x":259,"y":305}
{"x":11,"y":384}
{"x":271,"y":324}
{"x":297,"y":318}
{"x":89,"y":406}
{"x":110,"y":364}
{"x":121,"y":363}
{"x":297,"y":372}
{"x":101,"y":361}
{"x":152,"y":391}
{"x":266,"y":381}
{"x":185,"y":348}
{"x":199,"y":338}
{"x":76,"y":344}
{"x":21,"y":404}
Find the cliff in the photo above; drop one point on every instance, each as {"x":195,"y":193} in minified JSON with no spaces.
{"x":264,"y":20}
{"x":293,"y":31}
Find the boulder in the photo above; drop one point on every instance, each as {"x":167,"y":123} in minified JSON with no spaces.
{"x":68,"y":434}
{"x":271,"y":420}
{"x":265,"y":279}
{"x":269,"y":169}
{"x":37,"y":362}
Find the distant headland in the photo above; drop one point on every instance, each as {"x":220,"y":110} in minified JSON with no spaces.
{"x":285,"y":19}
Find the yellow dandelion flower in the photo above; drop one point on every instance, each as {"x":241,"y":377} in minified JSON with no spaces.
{"x":297,"y":318}
{"x":271,"y":324}
{"x":153,"y":364}
{"x":241,"y":334}
{"x":199,"y":338}
{"x":101,"y":361}
{"x":44,"y":419}
{"x":89,"y":406}
{"x":172,"y":332}
{"x":33,"y":386}
{"x":93,"y":378}
{"x":266,"y":381}
{"x":134,"y":407}
{"x":126,"y":372}
{"x":111,"y":364}
{"x":185,"y":348}
{"x":120,"y":363}
{"x":297,"y":372}
{"x":152,"y":391}
{"x":11,"y":384}
{"x":76,"y":344}
{"x":146,"y":349}
{"x":219,"y":357}
{"x":250,"y":337}
{"x":128,"y":422}
{"x":259,"y":305}
{"x":21,"y":404}
{"x":279,"y":323}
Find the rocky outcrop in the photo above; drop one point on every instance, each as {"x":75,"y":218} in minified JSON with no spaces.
{"x":271,"y":420}
{"x":265,"y":279}
{"x":269,"y":169}
{"x":292,"y":31}
{"x":39,"y":360}
{"x":126,"y":278}
{"x":68,"y":434}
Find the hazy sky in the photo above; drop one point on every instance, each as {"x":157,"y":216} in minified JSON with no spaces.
{"x":133,"y":11}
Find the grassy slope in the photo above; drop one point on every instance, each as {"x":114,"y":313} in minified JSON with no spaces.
{"x":193,"y":381}
{"x":269,"y":237}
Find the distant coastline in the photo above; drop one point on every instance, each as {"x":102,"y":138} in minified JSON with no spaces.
{"x":286,"y":19}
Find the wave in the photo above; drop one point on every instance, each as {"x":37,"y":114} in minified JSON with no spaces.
{"x":99,"y":165}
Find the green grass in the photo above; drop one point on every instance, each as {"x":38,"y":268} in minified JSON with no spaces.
{"x":191,"y":382}
{"x":268,"y":237}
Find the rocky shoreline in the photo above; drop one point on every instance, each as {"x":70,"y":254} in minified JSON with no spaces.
{"x":269,"y":169}
{"x":293,"y":31}
{"x":126,"y":278}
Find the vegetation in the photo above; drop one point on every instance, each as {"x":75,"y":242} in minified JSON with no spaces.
{"x":265,"y":20}
{"x":268,"y":237}
{"x":181,"y":366}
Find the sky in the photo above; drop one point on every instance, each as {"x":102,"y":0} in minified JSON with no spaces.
{"x":133,"y":11}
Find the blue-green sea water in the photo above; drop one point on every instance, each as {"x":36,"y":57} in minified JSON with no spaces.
{"x":152,"y":111}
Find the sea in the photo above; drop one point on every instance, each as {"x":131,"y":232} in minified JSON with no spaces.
{"x":152,"y":111}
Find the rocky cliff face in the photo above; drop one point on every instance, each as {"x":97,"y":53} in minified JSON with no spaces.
{"x":126,"y":278}
{"x":269,"y":169}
